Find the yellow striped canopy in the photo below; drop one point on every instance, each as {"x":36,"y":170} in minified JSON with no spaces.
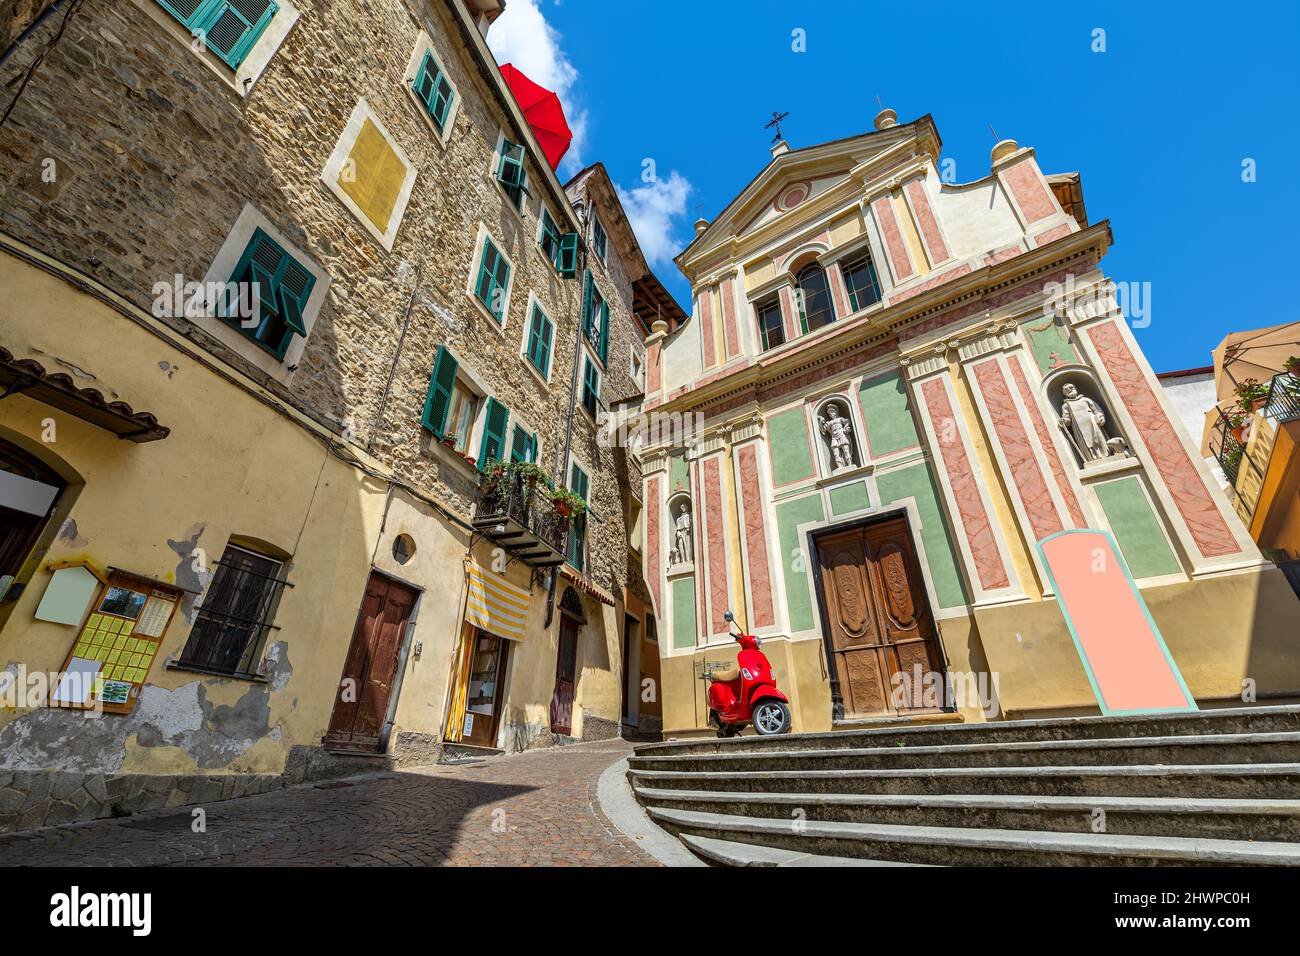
{"x":494,"y":604}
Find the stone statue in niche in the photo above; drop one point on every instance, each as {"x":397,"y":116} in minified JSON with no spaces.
{"x":1084,"y":424}
{"x":682,"y":552}
{"x":839,"y":432}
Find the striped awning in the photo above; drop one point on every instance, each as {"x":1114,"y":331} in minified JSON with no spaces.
{"x":494,"y":604}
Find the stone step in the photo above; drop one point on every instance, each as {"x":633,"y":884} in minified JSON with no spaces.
{"x":974,"y":846}
{"x":1272,"y":820}
{"x":1273,"y":747}
{"x":1257,"y":719}
{"x":727,"y":853}
{"x":1227,"y":781}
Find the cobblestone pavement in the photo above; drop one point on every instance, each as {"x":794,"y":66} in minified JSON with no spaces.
{"x":531,"y":809}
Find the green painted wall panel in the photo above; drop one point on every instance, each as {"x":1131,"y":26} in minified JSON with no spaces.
{"x":1144,"y":546}
{"x":787,"y":439}
{"x":789,"y":515}
{"x":916,"y":482}
{"x":679,"y":474}
{"x":885,"y":409}
{"x":1049,"y":344}
{"x":683,"y":590}
{"x":850,"y":497}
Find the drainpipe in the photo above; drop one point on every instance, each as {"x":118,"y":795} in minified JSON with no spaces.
{"x":32,"y":28}
{"x":585,"y":206}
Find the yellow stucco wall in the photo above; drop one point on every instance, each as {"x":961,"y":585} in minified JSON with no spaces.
{"x":231,"y":466}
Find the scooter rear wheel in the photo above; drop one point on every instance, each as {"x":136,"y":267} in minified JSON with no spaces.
{"x":771,"y":717}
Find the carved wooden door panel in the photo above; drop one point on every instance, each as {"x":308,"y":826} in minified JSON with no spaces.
{"x":905,"y":621}
{"x":879,"y":622}
{"x":855,"y":637}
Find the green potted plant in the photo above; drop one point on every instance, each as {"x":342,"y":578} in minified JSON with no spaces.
{"x":1252,"y":394}
{"x":1293,"y":365}
{"x":566,"y":503}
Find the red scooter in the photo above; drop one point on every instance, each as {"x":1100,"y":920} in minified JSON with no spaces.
{"x":747,"y":692}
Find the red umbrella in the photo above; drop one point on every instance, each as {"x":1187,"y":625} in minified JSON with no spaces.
{"x":545,"y":115}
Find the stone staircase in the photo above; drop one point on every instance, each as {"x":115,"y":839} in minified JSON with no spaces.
{"x":1215,"y":787}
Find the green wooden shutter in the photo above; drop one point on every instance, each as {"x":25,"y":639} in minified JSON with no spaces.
{"x":189,"y":12}
{"x":511,"y":169}
{"x":588,"y":286}
{"x":580,"y":485}
{"x":539,"y":341}
{"x":591,"y":388}
{"x":231,"y":27}
{"x":523,"y":444}
{"x":604,"y":332}
{"x":494,"y":433}
{"x":440,"y":386}
{"x":568,"y":264}
{"x":284,"y":286}
{"x":493,"y":276}
{"x":434,"y":91}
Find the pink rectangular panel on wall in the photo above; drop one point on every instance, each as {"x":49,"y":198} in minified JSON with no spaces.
{"x":653,"y":568}
{"x":717,"y":544}
{"x":730,"y":334}
{"x":706,"y":327}
{"x":1127,"y":662}
{"x":883,"y":208}
{"x":756,"y":549}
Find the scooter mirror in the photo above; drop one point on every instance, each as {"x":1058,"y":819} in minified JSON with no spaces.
{"x":729,"y":617}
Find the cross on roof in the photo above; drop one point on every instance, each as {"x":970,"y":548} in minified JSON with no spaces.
{"x":776,"y":121}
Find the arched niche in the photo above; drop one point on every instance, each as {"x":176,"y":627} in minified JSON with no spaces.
{"x":837,"y":435}
{"x":1083,"y":416}
{"x":681,"y":529}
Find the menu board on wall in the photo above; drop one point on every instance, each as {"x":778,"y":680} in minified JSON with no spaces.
{"x":117,"y":645}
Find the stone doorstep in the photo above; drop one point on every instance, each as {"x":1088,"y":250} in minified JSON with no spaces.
{"x":895,"y":723}
{"x":1170,"y":849}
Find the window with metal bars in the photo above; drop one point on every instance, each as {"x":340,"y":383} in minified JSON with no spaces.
{"x":235,"y":617}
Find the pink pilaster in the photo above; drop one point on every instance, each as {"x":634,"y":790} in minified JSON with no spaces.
{"x":1191,"y":496}
{"x":1031,"y":484}
{"x":789,"y":314}
{"x":1049,"y":449}
{"x":959,"y":474}
{"x":839,"y":291}
{"x":730,"y":333}
{"x":653,"y":569}
{"x":1029,"y":190}
{"x":883,"y":209}
{"x":706,"y":327}
{"x":756,"y":550}
{"x":927,"y":220}
{"x":717,"y":545}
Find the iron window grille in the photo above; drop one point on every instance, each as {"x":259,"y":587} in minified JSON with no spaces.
{"x":235,"y":617}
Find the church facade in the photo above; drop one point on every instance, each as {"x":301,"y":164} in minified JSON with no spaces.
{"x":928,"y":463}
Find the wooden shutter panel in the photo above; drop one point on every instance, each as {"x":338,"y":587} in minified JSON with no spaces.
{"x":511,"y":170}
{"x":568,"y":264}
{"x":494,"y":432}
{"x":604,"y":332}
{"x":186,"y":11}
{"x":440,"y":386}
{"x":587,"y":288}
{"x":233,"y":26}
{"x":548,"y":331}
{"x":518,"y":444}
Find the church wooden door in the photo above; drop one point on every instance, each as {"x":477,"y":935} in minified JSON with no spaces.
{"x":881,"y":634}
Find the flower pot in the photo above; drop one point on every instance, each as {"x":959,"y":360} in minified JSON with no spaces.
{"x":563,"y":509}
{"x":1294,"y":370}
{"x":1258,"y":403}
{"x":1239,"y":432}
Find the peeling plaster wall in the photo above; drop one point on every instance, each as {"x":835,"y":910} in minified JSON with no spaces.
{"x":231,"y":466}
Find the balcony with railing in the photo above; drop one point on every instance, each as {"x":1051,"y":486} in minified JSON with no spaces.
{"x":1243,"y":443}
{"x":515,"y":510}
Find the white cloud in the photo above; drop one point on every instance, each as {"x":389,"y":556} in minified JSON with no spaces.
{"x":523,"y":37}
{"x":656,"y":211}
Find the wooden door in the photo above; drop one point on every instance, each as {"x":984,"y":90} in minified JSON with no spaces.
{"x":566,"y":668}
{"x":366,"y":688}
{"x":878,"y":621}
{"x":485,"y":694}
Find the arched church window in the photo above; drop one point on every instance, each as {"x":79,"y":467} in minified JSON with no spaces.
{"x":816,"y":308}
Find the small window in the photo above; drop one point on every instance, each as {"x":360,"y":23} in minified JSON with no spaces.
{"x":272,"y":288}
{"x":451,"y":405}
{"x":434,"y":91}
{"x":550,"y":241}
{"x":493,"y":280}
{"x":599,"y":241}
{"x":235,"y":615}
{"x":511,"y":174}
{"x":815,"y":308}
{"x":862,"y":283}
{"x":595,"y":320}
{"x":541,"y":331}
{"x":771,"y":330}
{"x":403,"y":548}
{"x":580,"y":485}
{"x":590,"y":387}
{"x":229,"y":28}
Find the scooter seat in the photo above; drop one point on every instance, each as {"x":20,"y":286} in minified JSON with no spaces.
{"x":726,"y":673}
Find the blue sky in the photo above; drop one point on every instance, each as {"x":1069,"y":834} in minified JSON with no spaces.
{"x":1159,"y":124}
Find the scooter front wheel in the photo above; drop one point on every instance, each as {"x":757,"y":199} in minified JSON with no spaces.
{"x":771,"y":717}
